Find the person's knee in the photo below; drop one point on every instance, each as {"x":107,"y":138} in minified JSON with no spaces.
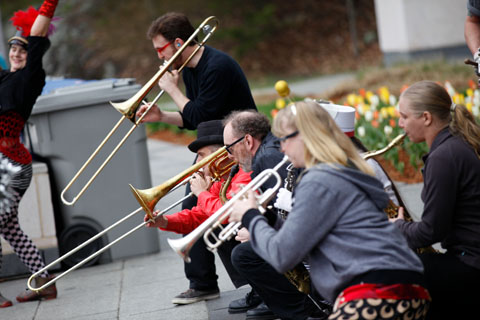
{"x":238,"y":256}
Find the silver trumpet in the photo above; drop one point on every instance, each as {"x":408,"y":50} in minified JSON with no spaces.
{"x":183,"y":245}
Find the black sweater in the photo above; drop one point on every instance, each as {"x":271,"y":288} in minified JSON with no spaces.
{"x":215,"y":87}
{"x":451,"y":197}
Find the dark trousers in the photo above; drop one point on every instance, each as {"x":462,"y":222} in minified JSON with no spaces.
{"x":277,"y":292}
{"x":201,"y":270}
{"x":451,"y":284}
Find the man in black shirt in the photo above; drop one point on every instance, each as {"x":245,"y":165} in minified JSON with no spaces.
{"x":215,"y":85}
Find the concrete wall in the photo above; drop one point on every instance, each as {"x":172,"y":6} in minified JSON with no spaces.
{"x":411,"y":29}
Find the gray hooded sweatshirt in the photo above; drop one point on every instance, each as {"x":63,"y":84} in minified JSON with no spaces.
{"x":337,"y":223}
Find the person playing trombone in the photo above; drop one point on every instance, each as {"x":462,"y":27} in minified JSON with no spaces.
{"x":215,"y":84}
{"x":337,"y":224}
{"x":19,"y":88}
{"x":209,"y":140}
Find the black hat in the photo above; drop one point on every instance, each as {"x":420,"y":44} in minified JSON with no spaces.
{"x":18,"y":39}
{"x":208,"y":133}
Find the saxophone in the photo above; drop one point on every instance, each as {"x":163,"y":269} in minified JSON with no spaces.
{"x":392,"y":209}
{"x":299,"y":275}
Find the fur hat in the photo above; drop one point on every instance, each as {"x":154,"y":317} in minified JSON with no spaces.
{"x":23,"y":22}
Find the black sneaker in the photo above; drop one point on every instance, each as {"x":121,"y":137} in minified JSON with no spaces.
{"x":192,"y":295}
{"x":261,"y":312}
{"x":251,"y":300}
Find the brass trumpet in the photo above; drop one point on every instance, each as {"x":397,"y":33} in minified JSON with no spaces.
{"x":183,"y":245}
{"x":129,"y":108}
{"x":219,"y":166}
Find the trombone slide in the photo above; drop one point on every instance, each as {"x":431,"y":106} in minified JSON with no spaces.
{"x":129,"y":107}
{"x":93,"y":255}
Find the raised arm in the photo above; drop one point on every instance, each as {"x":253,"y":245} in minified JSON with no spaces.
{"x":42,"y":22}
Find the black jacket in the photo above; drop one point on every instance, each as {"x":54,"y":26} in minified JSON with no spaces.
{"x":451,"y":197}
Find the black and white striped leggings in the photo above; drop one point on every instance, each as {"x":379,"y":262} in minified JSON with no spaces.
{"x":10,"y":228}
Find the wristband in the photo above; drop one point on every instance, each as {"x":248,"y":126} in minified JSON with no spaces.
{"x":48,"y":8}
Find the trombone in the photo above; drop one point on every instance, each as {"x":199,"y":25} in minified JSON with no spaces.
{"x":219,"y":166}
{"x":148,"y":198}
{"x":183,"y":245}
{"x":128,"y":108}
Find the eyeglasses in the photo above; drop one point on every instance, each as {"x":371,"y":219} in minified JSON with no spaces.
{"x":232,"y":144}
{"x":160,"y":50}
{"x":288,"y":136}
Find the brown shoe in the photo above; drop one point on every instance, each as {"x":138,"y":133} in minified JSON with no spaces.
{"x":4,"y":302}
{"x":48,"y":293}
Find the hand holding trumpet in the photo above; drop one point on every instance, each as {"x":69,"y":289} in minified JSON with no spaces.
{"x":249,"y":201}
{"x":243,"y":235}
{"x":400,"y":216}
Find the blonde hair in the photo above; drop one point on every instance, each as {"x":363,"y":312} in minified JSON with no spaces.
{"x":431,"y":97}
{"x":324,"y":141}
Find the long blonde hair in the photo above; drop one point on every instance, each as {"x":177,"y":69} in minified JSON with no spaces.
{"x":431,"y":97}
{"x":324,"y":141}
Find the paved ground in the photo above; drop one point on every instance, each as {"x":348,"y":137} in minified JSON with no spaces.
{"x":136,"y":288}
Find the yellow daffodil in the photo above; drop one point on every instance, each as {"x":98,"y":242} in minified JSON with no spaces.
{"x":469,"y":106}
{"x":392,"y":112}
{"x":280,"y":103}
{"x":360,"y":100}
{"x":369,"y":95}
{"x":384,"y":112}
{"x":352,"y":99}
{"x":384,"y":94}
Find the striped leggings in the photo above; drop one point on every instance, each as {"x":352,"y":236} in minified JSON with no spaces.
{"x":12,"y":189}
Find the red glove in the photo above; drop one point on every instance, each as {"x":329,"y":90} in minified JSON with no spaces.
{"x":48,"y":8}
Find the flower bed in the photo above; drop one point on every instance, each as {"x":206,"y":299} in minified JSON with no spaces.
{"x":377,"y":124}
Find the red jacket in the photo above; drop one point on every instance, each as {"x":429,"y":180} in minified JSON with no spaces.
{"x":208,"y":203}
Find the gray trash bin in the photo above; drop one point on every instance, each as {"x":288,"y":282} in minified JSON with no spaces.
{"x":66,"y":126}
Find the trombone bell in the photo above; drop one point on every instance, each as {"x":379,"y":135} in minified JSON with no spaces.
{"x":148,"y":198}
